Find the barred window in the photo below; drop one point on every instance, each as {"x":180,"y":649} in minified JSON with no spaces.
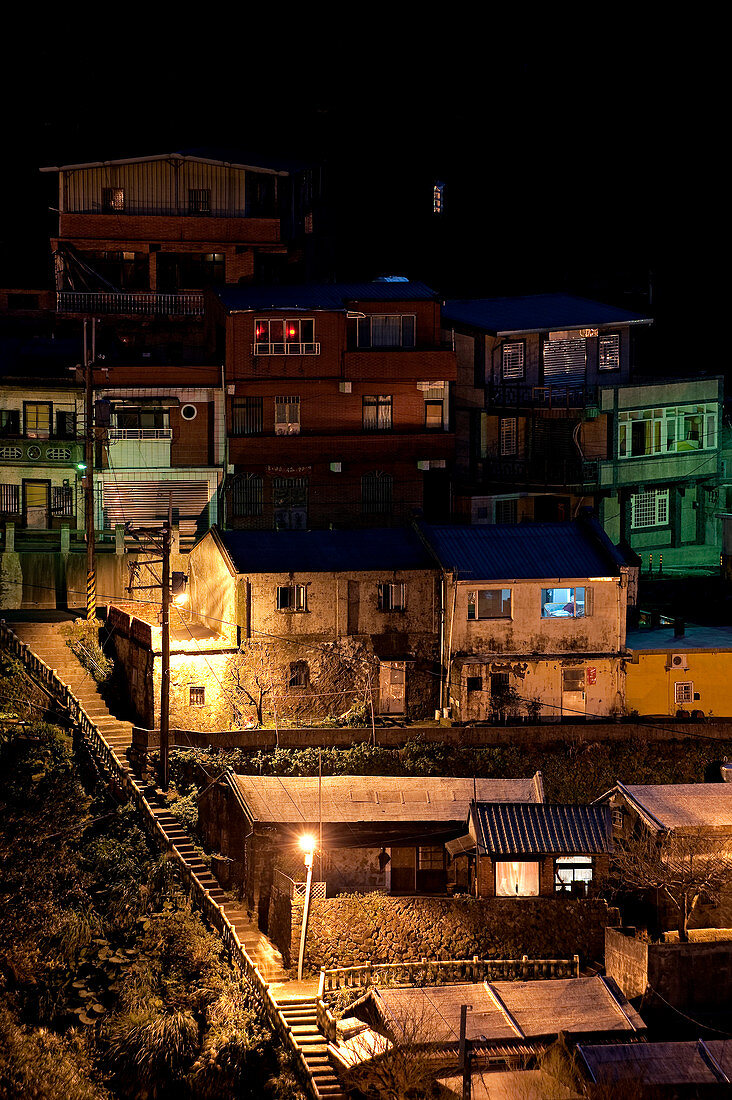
{"x":247,"y":494}
{"x":299,"y":674}
{"x":649,"y":509}
{"x":246,"y":416}
{"x":507,"y":511}
{"x":199,"y":200}
{"x":9,"y":498}
{"x":684,"y":693}
{"x":62,"y":500}
{"x":113,"y":199}
{"x":196,"y":696}
{"x":608,"y":351}
{"x":287,"y":415}
{"x":509,"y":435}
{"x":512,"y":360}
{"x":377,"y":412}
{"x":376,"y":493}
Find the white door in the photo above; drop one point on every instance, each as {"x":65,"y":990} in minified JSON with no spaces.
{"x":574,"y":695}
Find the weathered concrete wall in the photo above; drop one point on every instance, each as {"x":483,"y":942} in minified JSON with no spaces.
{"x":212,"y":588}
{"x":349,"y":930}
{"x":687,"y":975}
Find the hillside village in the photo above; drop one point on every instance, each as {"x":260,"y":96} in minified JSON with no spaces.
{"x":395,"y":627}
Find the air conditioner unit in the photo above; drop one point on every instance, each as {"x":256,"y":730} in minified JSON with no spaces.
{"x":336,"y":467}
{"x":425,"y":465}
{"x":678,"y":660}
{"x":345,"y":387}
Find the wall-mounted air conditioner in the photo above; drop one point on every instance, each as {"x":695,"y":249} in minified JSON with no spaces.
{"x":678,"y":660}
{"x":345,"y":387}
{"x":336,"y":467}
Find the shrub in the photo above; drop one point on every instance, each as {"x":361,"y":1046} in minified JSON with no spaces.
{"x":83,"y":639}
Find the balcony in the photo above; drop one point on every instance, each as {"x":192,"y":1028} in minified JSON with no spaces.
{"x":554,"y":472}
{"x":41,"y":452}
{"x":557,"y":395}
{"x":134,"y":447}
{"x":138,"y":303}
{"x":286,"y":349}
{"x":354,"y":446}
{"x":400,"y":364}
{"x":152,"y":225}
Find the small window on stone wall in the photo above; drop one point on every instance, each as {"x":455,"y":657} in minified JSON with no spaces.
{"x":197,"y":696}
{"x":475,"y":683}
{"x":299,"y":674}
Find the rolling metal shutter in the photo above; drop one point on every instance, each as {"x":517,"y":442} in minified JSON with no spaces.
{"x":145,"y":503}
{"x":565,"y":360}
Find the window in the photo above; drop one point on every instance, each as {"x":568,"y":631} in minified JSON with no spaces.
{"x":431,"y":857}
{"x":499,"y":684}
{"x":135,"y":417}
{"x":377,"y":413}
{"x":438,"y":198}
{"x":62,"y":500}
{"x":572,"y":874}
{"x":199,"y":200}
{"x":683,"y":693}
{"x":673,"y":430}
{"x":649,"y":509}
{"x":512,"y":360}
{"x":9,"y":422}
{"x":188,"y":412}
{"x":392,"y":597}
{"x":291,"y":597}
{"x":113,"y":199}
{"x":508,"y":435}
{"x":507,"y":511}
{"x":387,"y":331}
{"x":37,"y":419}
{"x":285,"y":336}
{"x":566,"y":603}
{"x":618,"y":819}
{"x":196,"y":696}
{"x":489,"y":603}
{"x":287,"y":415}
{"x":10,"y":498}
{"x":246,"y":495}
{"x":517,"y":878}
{"x":474,"y":683}
{"x":433,"y":413}
{"x":65,"y":425}
{"x":290,"y":500}
{"x":565,"y":359}
{"x":376,"y":493}
{"x":246,"y":416}
{"x":608,"y":351}
{"x":299,"y":674}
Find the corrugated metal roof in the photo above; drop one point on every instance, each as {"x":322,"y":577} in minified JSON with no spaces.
{"x":385,"y":549}
{"x":237,"y":158}
{"x":536,"y":313}
{"x":287,"y":800}
{"x":525,"y":551}
{"x":660,"y":1064}
{"x":329,"y":296}
{"x":680,"y":806}
{"x":516,"y":828}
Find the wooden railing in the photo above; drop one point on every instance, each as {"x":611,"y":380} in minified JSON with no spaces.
{"x":211,"y":910}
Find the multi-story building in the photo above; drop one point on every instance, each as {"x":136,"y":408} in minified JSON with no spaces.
{"x":337,"y":404}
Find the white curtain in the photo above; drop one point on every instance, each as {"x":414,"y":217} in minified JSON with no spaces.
{"x":517,"y":879}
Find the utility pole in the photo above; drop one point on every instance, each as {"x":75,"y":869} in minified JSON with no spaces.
{"x":165,"y":672}
{"x":90,"y":341}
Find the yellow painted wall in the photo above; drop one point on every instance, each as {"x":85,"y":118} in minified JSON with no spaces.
{"x":649,"y":684}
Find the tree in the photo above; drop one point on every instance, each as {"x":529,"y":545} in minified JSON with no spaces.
{"x":682,"y":867}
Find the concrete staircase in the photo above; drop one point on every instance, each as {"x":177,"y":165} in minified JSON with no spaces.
{"x":300,"y":1016}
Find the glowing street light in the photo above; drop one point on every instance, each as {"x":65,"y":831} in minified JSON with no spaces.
{"x":307,"y":844}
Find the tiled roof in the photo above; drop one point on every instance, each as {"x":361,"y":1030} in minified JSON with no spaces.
{"x":704,"y":1062}
{"x":328,"y":296}
{"x":517,"y":828}
{"x":535,"y":313}
{"x":389,"y":549}
{"x":685,"y":805}
{"x":525,"y":551}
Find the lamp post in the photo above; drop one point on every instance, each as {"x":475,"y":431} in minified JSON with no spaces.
{"x":307,"y":843}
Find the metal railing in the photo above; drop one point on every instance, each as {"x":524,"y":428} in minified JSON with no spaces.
{"x":212,"y":911}
{"x":293,"y":889}
{"x":149,"y":303}
{"x":139,"y":433}
{"x":281,"y":348}
{"x":554,"y":395}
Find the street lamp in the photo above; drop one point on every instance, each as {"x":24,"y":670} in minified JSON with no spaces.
{"x":307,"y":843}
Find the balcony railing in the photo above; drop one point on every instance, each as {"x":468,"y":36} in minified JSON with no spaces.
{"x":147,"y":303}
{"x":286,"y":349}
{"x":557,"y":395}
{"x":140,"y":433}
{"x":540,"y":471}
{"x":40,"y":450}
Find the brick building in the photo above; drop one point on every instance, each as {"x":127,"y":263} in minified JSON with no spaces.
{"x":337,"y":404}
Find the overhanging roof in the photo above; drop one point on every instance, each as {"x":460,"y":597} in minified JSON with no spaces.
{"x":230,"y":158}
{"x":523,"y":829}
{"x":386,"y":549}
{"x":681,"y":806}
{"x":536,"y":313}
{"x":320,"y":296}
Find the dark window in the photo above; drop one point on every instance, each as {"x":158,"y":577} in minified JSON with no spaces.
{"x":199,"y":200}
{"x":113,"y":199}
{"x":141,"y":416}
{"x":572,"y":874}
{"x":62,"y":500}
{"x":499,"y":683}
{"x":246,"y":496}
{"x":261,"y":195}
{"x":9,"y":422}
{"x":65,"y":425}
{"x":377,"y":413}
{"x":246,"y":416}
{"x":433,"y":411}
{"x":291,"y":597}
{"x":376,"y":493}
{"x":299,"y":674}
{"x":290,"y":501}
{"x":196,"y":696}
{"x":392,"y":597}
{"x":489,"y":603}
{"x":431,"y":857}
{"x":507,"y":511}
{"x":474,"y":683}
{"x":23,"y":301}
{"x":10,"y":498}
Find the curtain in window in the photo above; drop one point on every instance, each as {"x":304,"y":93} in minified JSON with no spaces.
{"x":517,"y":879}
{"x":386,"y":332}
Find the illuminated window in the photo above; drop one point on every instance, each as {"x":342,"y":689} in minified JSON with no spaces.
{"x":572,"y":874}
{"x":381,"y":330}
{"x":376,"y":413}
{"x":608,"y":351}
{"x":199,"y":200}
{"x":433,"y":414}
{"x":113,"y":199}
{"x":291,"y":597}
{"x":438,"y":198}
{"x":649,"y":509}
{"x":489,"y":603}
{"x":37,"y":419}
{"x":670,"y":430}
{"x":512,"y":360}
{"x":287,"y":416}
{"x":196,"y":696}
{"x":566,"y":603}
{"x":683,"y":693}
{"x":285,"y":336}
{"x":509,"y":435}
{"x":517,"y":878}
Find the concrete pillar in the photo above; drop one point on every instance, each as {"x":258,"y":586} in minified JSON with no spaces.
{"x":119,"y":538}
{"x":9,"y":538}
{"x":65,"y":539}
{"x":11,"y":573}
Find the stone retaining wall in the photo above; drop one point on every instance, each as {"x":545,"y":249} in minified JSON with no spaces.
{"x":349,"y":930}
{"x":687,"y":975}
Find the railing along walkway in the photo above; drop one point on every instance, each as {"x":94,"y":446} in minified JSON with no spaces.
{"x":134,"y":789}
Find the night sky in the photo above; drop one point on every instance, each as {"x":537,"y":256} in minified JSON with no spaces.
{"x":569,"y":159}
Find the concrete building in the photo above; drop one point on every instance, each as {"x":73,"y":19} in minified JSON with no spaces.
{"x":678,"y":670}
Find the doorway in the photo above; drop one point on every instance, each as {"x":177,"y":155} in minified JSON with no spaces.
{"x":392,"y":687}
{"x":574,"y":696}
{"x":403,"y":868}
{"x":35,"y":497}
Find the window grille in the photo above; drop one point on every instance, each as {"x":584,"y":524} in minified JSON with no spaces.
{"x":513,"y":360}
{"x":62,"y":500}
{"x":10,"y":498}
{"x":499,"y":683}
{"x":65,"y":425}
{"x":684,"y":693}
{"x":247,"y":495}
{"x":196,"y":696}
{"x":246,"y":416}
{"x":649,"y":509}
{"x":565,"y":359}
{"x":507,"y":511}
{"x":509,"y":435}
{"x":199,"y":200}
{"x":608,"y":351}
{"x":376,"y":493}
{"x":58,"y":454}
{"x":377,"y":412}
{"x":299,"y":674}
{"x":287,"y":415}
{"x":113,"y":199}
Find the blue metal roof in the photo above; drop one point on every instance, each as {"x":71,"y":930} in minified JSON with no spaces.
{"x":333,"y":296}
{"x":525,"y":551}
{"x":384,"y":549}
{"x":535,"y":313}
{"x":536,"y":828}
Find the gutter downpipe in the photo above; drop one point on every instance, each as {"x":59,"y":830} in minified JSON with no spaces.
{"x":449,"y":642}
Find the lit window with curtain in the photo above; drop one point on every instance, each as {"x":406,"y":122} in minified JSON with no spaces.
{"x":377,"y":410}
{"x":517,"y":879}
{"x":382,"y":330}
